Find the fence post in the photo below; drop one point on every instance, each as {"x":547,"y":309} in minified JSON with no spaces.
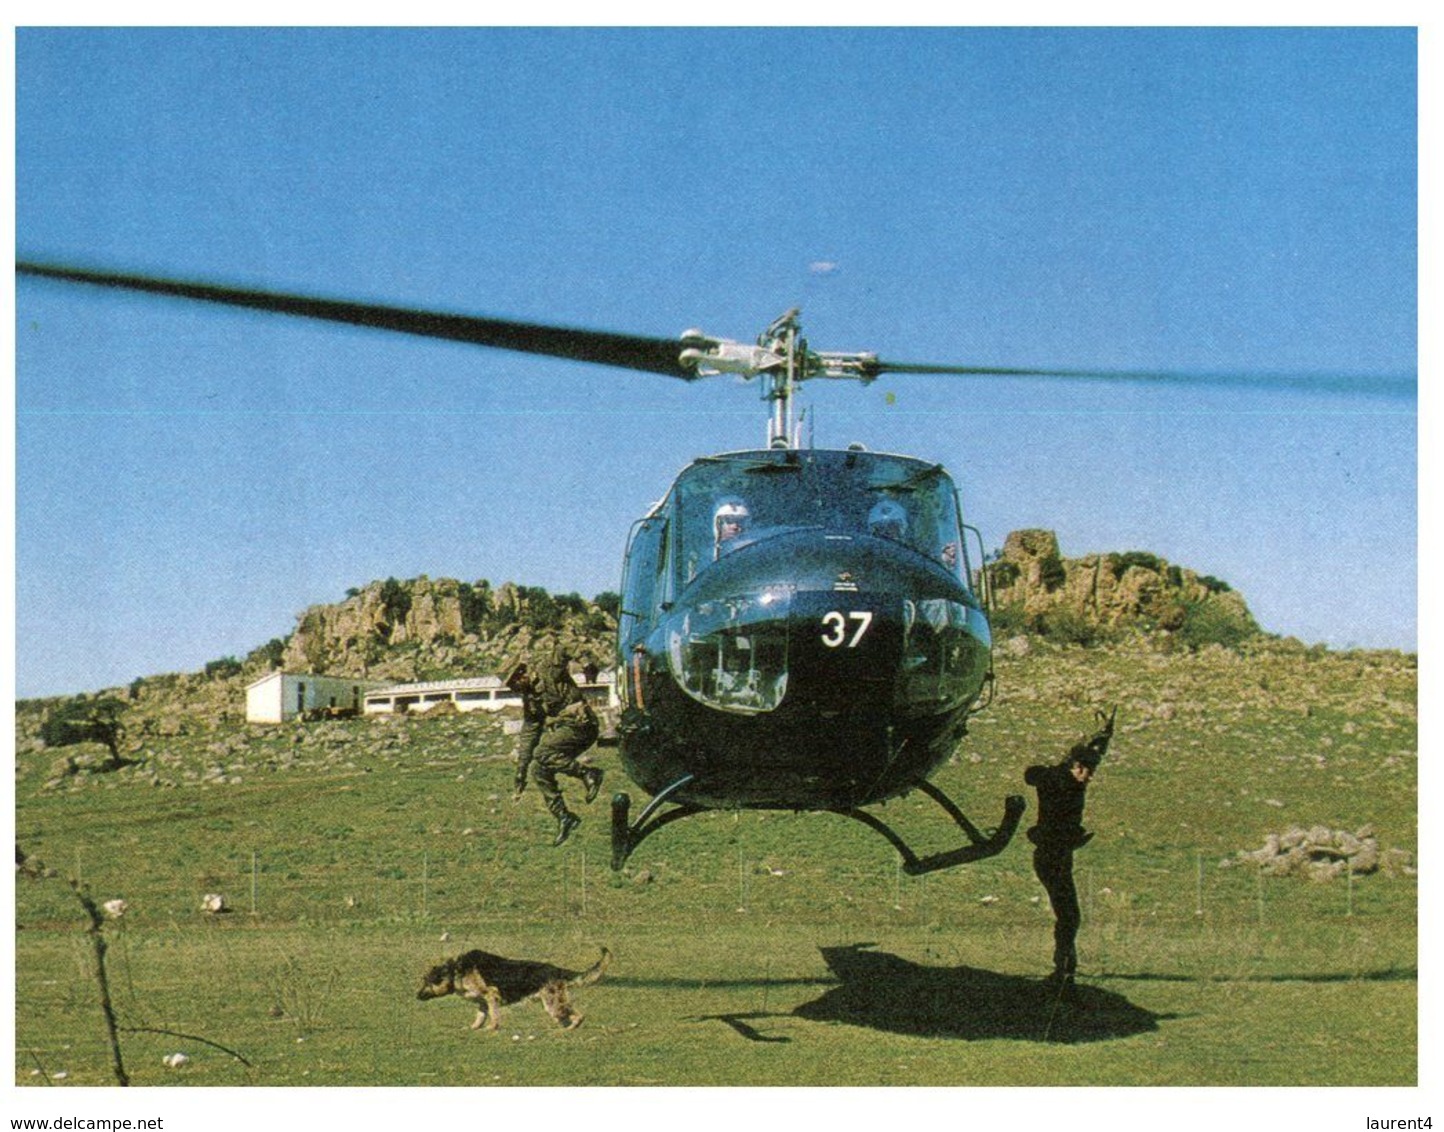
{"x":741,"y":880}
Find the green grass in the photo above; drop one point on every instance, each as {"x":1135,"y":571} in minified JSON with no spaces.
{"x":737,"y":936}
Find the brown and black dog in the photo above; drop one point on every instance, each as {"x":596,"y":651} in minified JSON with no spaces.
{"x":492,"y":982}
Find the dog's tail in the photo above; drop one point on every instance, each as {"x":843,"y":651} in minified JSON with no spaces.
{"x":594,"y":972}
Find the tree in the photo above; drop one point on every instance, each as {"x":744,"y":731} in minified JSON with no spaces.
{"x":395,"y":600}
{"x":269,"y":654}
{"x":87,"y":721}
{"x":225,"y":667}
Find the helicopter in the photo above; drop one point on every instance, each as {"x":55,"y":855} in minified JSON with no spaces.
{"x":800,"y":629}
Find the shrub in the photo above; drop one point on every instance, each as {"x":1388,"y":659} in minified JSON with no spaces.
{"x":1052,"y":572}
{"x":269,"y":654}
{"x":1070,"y":627}
{"x":1008,"y":621}
{"x":1215,"y":623}
{"x":396,"y":600}
{"x":1122,"y":562}
{"x":475,"y":605}
{"x":571,"y":603}
{"x":220,"y":669}
{"x":1003,"y":574}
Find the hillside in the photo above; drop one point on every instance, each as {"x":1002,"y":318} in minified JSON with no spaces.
{"x":351,"y":854}
{"x":431,"y":629}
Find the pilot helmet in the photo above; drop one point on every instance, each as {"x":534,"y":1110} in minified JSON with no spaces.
{"x":887,"y":519}
{"x":729,"y":511}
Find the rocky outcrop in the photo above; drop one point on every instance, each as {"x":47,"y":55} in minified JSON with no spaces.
{"x":427,"y":628}
{"x":349,"y":637}
{"x":1320,"y":853}
{"x":1039,"y":590}
{"x":441,"y":628}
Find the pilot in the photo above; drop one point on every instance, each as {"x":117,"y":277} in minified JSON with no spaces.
{"x":567,"y":726}
{"x":1062,"y":791}
{"x":887,"y":519}
{"x":729,"y":525}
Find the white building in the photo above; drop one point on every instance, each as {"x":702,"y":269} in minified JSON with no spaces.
{"x":485,"y":693}
{"x":478,"y":693}
{"x":282,"y":696}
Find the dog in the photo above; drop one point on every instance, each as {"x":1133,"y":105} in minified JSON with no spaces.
{"x":492,"y":981}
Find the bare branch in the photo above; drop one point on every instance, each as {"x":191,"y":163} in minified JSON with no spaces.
{"x":187,"y":1037}
{"x":97,"y":938}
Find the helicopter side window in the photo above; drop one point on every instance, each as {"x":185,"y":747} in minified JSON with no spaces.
{"x":641,"y":575}
{"x":947,"y":535}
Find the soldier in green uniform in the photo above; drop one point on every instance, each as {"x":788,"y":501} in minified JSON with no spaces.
{"x":533,"y":719}
{"x":1062,"y":791}
{"x":563,"y":726}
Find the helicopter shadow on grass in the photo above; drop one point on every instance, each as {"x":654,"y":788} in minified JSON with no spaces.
{"x":885,"y":992}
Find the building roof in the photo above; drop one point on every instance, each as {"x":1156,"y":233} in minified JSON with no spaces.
{"x":464,"y":684}
{"x":469,"y":683}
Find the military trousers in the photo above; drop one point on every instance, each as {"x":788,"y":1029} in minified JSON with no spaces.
{"x":1053,"y":866}
{"x":527,"y":739}
{"x":556,"y":753}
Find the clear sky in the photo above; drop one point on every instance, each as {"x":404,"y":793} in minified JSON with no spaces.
{"x":190,"y":478}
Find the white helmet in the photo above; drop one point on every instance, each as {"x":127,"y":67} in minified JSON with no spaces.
{"x":731,"y":510}
{"x":888,"y":519}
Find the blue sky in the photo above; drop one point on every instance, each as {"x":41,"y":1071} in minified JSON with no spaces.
{"x":190,"y":478}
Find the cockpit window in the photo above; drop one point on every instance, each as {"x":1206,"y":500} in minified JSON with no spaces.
{"x":727,"y":503}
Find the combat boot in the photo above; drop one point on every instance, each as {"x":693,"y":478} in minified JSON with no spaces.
{"x":593,"y":776}
{"x":566,"y":822}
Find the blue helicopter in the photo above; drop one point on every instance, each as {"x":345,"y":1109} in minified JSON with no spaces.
{"x":800,"y":629}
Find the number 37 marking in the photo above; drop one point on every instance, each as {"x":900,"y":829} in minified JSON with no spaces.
{"x":835,"y":628}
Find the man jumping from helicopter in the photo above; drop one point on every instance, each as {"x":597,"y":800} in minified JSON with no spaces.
{"x":533,"y":718}
{"x":1062,"y":790}
{"x":565,"y":726}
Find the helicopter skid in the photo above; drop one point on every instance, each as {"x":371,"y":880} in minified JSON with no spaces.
{"x":627,"y":835}
{"x":980,"y":844}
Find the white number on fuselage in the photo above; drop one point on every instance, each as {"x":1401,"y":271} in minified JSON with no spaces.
{"x":835,"y":624}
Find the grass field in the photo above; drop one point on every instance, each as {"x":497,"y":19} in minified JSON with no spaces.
{"x":751,"y":948}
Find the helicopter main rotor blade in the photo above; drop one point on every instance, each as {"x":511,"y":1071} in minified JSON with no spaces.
{"x":651,"y":355}
{"x":658,"y":355}
{"x":1388,"y":386}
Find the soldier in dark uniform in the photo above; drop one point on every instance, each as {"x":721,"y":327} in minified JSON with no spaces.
{"x":562,"y":725}
{"x":1062,"y":791}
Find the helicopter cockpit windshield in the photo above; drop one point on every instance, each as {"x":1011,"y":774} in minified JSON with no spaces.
{"x":727,"y":503}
